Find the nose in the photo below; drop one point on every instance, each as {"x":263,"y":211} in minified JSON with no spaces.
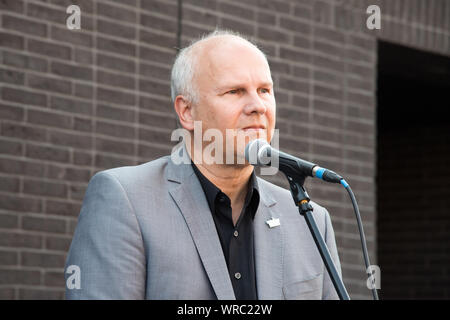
{"x":255,"y":105}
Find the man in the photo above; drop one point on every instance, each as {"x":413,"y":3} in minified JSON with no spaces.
{"x":199,"y":230}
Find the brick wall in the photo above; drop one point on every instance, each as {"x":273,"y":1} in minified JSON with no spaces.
{"x":76,"y":102}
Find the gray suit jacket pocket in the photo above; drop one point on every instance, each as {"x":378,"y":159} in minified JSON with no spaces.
{"x":310,"y":289}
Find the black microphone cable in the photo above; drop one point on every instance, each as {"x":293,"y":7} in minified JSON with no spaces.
{"x":361,"y":234}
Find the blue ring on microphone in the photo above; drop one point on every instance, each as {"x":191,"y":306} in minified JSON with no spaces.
{"x":344,"y":183}
{"x":319,"y":173}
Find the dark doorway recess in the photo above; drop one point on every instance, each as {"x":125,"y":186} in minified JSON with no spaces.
{"x":413,"y":173}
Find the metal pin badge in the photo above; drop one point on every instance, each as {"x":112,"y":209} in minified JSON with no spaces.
{"x":273,"y":222}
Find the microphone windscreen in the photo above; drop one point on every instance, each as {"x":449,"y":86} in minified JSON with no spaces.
{"x":252,"y":151}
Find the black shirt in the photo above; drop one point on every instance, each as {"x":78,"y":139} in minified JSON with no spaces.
{"x":236,"y":241}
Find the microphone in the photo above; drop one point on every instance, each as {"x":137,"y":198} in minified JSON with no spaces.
{"x":260,"y":153}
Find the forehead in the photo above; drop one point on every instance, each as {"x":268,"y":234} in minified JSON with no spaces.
{"x":221,"y":61}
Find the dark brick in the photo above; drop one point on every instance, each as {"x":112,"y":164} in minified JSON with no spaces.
{"x":295,"y":25}
{"x":115,"y":80}
{"x":148,"y":153}
{"x":271,"y":34}
{"x":63,"y":208}
{"x":116,"y":46}
{"x":155,"y":55}
{"x":74,"y":140}
{"x":72,"y":71}
{"x":19,"y":240}
{"x":154,"y":120}
{"x":238,"y":11}
{"x":23,"y":131}
{"x":11,"y":41}
{"x":24,"y":61}
{"x":9,"y":221}
{"x":12,"y":5}
{"x":11,"y":112}
{"x":44,"y":224}
{"x":17,"y":166}
{"x":116,"y":63}
{"x":42,"y":259}
{"x":168,"y":8}
{"x":294,"y":85}
{"x":116,"y":130}
{"x":58,"y":243}
{"x":71,"y":105}
{"x":11,"y":276}
{"x":82,"y":175}
{"x":82,"y":158}
{"x":159,"y":39}
{"x":116,"y":30}
{"x":114,"y":96}
{"x":73,"y":37}
{"x":22,"y":96}
{"x":8,"y":258}
{"x":154,"y":87}
{"x":47,"y":153}
{"x":327,"y":92}
{"x":85,"y":5}
{"x":40,"y":294}
{"x":114,"y":146}
{"x":77,"y":192}
{"x":44,"y":188}
{"x":162,"y":137}
{"x":154,"y":22}
{"x":49,"y":84}
{"x":116,"y":13}
{"x":154,"y":72}
{"x":103,"y":161}
{"x":298,"y":56}
{"x":11,"y":147}
{"x":82,"y":124}
{"x":84,"y":91}
{"x":83,"y":56}
{"x":121,"y":114}
{"x":247,"y":29}
{"x":46,"y":13}
{"x":156,"y":104}
{"x":24,"y":25}
{"x":19,"y":203}
{"x":46,"y":118}
{"x":54,"y":279}
{"x":11,"y":76}
{"x":50,"y":49}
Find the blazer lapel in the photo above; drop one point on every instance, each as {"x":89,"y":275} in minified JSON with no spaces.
{"x":268,"y":249}
{"x":189,"y":196}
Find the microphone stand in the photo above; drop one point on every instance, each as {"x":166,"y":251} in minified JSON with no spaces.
{"x":301,"y":200}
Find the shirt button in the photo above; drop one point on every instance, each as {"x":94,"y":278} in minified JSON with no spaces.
{"x":237,"y":275}
{"x":236,"y":233}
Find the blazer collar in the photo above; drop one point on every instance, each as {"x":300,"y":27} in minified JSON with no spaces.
{"x":190,"y":199}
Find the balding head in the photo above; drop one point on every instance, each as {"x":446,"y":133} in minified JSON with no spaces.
{"x":195,"y":59}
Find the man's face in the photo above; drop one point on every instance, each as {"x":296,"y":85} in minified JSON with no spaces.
{"x":235,"y":91}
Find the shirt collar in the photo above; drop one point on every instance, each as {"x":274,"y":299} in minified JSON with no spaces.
{"x":212,"y":192}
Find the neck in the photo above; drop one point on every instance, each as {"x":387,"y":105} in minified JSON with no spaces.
{"x":231,"y":179}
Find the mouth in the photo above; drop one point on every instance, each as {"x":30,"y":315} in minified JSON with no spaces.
{"x":254,"y":128}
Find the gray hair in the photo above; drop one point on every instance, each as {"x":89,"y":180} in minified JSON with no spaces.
{"x":181,"y":82}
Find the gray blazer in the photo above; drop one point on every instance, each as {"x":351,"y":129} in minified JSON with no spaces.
{"x":146,"y":232}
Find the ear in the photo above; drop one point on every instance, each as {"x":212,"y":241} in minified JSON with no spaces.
{"x":183,"y":108}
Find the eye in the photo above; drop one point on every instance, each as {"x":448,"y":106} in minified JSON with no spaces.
{"x":234,"y":91}
{"x":264,"y":90}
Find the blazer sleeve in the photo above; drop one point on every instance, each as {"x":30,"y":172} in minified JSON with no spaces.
{"x":107,"y":247}
{"x":329,"y":292}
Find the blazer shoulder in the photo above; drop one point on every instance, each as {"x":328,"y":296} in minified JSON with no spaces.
{"x":284,"y":196}
{"x":139,"y":174}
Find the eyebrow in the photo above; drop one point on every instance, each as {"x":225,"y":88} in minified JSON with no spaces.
{"x":242,"y":85}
